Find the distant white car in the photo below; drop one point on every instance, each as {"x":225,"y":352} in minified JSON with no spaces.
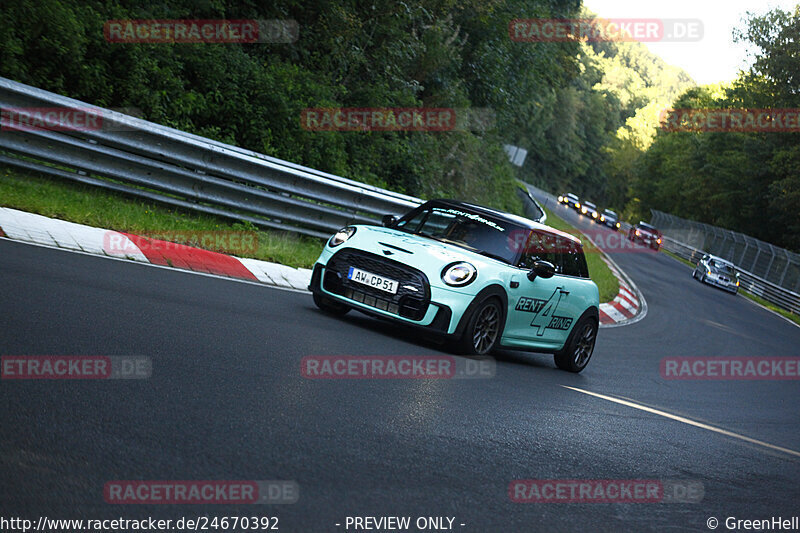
{"x":717,"y":271}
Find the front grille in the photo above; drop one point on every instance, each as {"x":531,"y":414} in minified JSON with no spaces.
{"x":413,"y":292}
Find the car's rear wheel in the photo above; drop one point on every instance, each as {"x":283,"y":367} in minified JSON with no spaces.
{"x":482,"y":332}
{"x":330,"y":306}
{"x":579,"y":346}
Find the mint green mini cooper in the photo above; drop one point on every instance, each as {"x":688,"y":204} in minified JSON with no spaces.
{"x":481,"y":278}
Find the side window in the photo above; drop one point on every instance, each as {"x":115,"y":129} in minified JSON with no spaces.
{"x":572,"y":259}
{"x":540,"y":247}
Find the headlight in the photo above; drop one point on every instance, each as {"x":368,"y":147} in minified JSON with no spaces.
{"x":658,"y":241}
{"x":560,"y":198}
{"x":594,"y":215}
{"x":617,"y":224}
{"x":602,"y":218}
{"x":341,"y":236}
{"x":577,"y":204}
{"x":459,"y":274}
{"x":637,"y":232}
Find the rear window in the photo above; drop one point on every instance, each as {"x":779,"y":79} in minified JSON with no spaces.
{"x":565,"y":254}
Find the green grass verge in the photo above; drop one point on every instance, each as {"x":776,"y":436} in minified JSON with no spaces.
{"x":759,"y":300}
{"x":606,"y":282}
{"x":92,"y":206}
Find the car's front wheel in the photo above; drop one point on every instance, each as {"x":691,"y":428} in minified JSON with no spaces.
{"x":482,"y":332}
{"x":578,"y":349}
{"x":330,"y":306}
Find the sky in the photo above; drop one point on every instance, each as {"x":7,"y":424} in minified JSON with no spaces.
{"x":715,"y":57}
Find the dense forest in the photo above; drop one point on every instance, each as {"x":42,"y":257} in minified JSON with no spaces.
{"x":586,"y":112}
{"x":745,"y":181}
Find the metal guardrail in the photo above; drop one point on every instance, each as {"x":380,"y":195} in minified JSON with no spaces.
{"x":140,"y":158}
{"x":767,"y":261}
{"x":783,"y":298}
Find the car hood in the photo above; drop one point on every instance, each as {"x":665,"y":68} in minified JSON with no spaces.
{"x":413,"y":249}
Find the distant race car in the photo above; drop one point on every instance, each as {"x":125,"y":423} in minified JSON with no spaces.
{"x":718,"y":272}
{"x":569,"y":199}
{"x":590,"y":210}
{"x":645,"y":234}
{"x":478,"y":277}
{"x":610,"y":219}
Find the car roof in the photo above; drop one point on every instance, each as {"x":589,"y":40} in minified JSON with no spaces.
{"x":721,"y":260}
{"x":609,"y":211}
{"x":502,"y":215}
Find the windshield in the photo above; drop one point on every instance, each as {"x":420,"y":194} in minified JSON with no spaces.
{"x":722,"y":267}
{"x":476,"y":232}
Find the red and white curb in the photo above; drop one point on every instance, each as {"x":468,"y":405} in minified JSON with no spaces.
{"x":628,"y":306}
{"x":38,"y":229}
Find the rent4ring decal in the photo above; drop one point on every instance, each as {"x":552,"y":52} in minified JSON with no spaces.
{"x":545,"y":312}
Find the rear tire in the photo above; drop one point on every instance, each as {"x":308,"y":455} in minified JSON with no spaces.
{"x":578,"y":349}
{"x":330,"y":306}
{"x":483,"y":330}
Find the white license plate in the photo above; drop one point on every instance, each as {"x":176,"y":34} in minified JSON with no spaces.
{"x":372,"y":280}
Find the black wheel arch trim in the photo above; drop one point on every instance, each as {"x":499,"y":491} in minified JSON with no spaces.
{"x":487,"y":292}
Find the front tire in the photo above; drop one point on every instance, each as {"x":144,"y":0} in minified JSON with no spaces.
{"x":578,"y":349}
{"x":330,"y":306}
{"x":482,"y":333}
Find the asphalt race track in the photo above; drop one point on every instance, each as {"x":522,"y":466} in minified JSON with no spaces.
{"x":227,"y":401}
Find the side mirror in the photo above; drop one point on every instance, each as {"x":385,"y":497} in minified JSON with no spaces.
{"x":543,"y":269}
{"x":388,"y":221}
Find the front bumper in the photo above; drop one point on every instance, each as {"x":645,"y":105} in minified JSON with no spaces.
{"x":416,"y":302}
{"x":729,"y":286}
{"x":647,"y":241}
